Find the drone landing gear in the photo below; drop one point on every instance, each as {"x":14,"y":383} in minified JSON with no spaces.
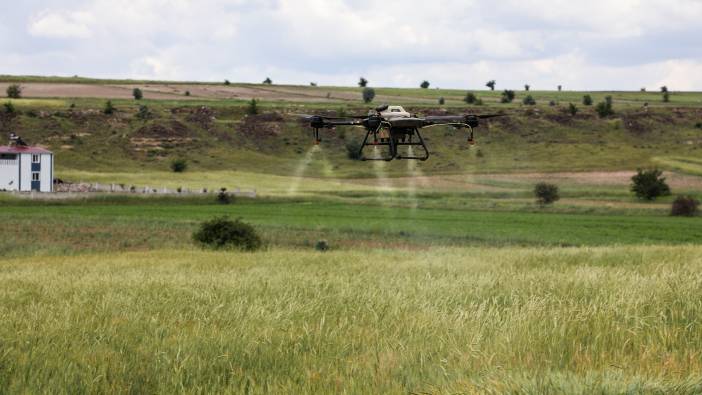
{"x":393,"y":141}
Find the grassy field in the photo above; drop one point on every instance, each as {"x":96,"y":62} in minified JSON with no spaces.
{"x":468,"y":320}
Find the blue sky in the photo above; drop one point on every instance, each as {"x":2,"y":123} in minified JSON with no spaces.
{"x":597,"y":44}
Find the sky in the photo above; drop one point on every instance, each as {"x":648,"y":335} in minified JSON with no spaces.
{"x":581,"y":45}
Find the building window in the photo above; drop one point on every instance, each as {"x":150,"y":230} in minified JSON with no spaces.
{"x":8,"y":157}
{"x":35,"y":176}
{"x":35,"y":158}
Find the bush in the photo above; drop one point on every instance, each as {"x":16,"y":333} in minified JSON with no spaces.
{"x":684,"y":206}
{"x":321,"y":246}
{"x":138,"y":94}
{"x":529,"y":100}
{"x":223,"y":233}
{"x":14,"y":91}
{"x":179,"y":165}
{"x":9,"y":108}
{"x":223,"y":197}
{"x":226,"y":82}
{"x":441,"y":101}
{"x":187,"y":93}
{"x":491,"y":84}
{"x":144,"y":112}
{"x":362,"y":82}
{"x":587,"y":100}
{"x":353,"y":149}
{"x":698,"y":125}
{"x":649,"y":184}
{"x":424,"y":84}
{"x":470,"y":98}
{"x":546,"y":193}
{"x":527,"y":87}
{"x":560,"y":88}
{"x":604,"y":109}
{"x":268,"y":81}
{"x":368,"y":95}
{"x":252,"y":109}
{"x":109,"y":108}
{"x":507,"y":96}
{"x":552,"y":103}
{"x":666,"y":97}
{"x":572,"y":109}
{"x":479,"y":102}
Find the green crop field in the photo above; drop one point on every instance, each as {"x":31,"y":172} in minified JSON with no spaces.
{"x":443,"y":276}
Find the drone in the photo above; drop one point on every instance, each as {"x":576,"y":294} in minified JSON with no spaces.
{"x":393,"y":127}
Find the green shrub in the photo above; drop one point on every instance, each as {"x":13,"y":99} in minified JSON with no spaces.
{"x":227,"y":83}
{"x":604,"y":109}
{"x":479,"y":102}
{"x":491,"y":84}
{"x":649,"y":184}
{"x":587,"y":100}
{"x":442,"y":101}
{"x":109,"y":108}
{"x":223,"y":197}
{"x":368,"y":95}
{"x":144,"y":112}
{"x":572,"y":109}
{"x":527,"y":87}
{"x":470,"y":98}
{"x":138,"y":94}
{"x":362,"y":82}
{"x":698,"y":125}
{"x":187,"y":93}
{"x":529,"y":100}
{"x":9,"y":108}
{"x":268,"y":81}
{"x":424,"y":84}
{"x":223,"y":233}
{"x":507,"y":96}
{"x":321,"y":246}
{"x":179,"y":165}
{"x":252,"y":108}
{"x":546,"y":193}
{"x":684,"y":206}
{"x":666,"y":97}
{"x":14,"y":91}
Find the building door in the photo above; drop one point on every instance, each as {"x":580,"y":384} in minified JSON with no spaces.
{"x":36,"y":183}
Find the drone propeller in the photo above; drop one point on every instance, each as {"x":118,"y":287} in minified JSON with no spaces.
{"x":310,"y":117}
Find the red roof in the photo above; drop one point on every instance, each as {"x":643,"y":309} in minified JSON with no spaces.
{"x":22,"y":150}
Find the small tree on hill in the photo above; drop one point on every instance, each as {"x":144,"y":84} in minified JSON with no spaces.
{"x":268,"y":81}
{"x":560,"y":88}
{"x":587,"y":100}
{"x":684,"y":206}
{"x":14,"y":91}
{"x":527,"y":87}
{"x":227,"y":83}
{"x":252,"y":108}
{"x":109,"y":108}
{"x":362,"y":82}
{"x":223,"y":233}
{"x":666,"y":94}
{"x":649,"y":184}
{"x":138,"y":94}
{"x":529,"y":100}
{"x":470,"y":98}
{"x":604,"y":109}
{"x":442,"y":101}
{"x":179,"y":165}
{"x":491,"y":84}
{"x":368,"y":94}
{"x":546,"y":193}
{"x":572,"y":109}
{"x":507,"y":96}
{"x":424,"y":84}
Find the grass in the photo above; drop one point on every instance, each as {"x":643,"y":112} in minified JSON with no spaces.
{"x":476,"y":320}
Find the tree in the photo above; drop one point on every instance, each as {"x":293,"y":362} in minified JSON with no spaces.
{"x":226,"y":82}
{"x":604,"y":109}
{"x":470,"y":98}
{"x":546,"y":193}
{"x":526,"y":87}
{"x":9,"y":107}
{"x":666,"y":97}
{"x":572,"y":109}
{"x":187,"y":93}
{"x":137,"y":93}
{"x":144,"y":112}
{"x":223,"y":197}
{"x":441,"y":101}
{"x":529,"y":100}
{"x":684,"y":206}
{"x":252,"y":108}
{"x":664,"y":89}
{"x":560,"y":88}
{"x":14,"y":91}
{"x":587,"y":100}
{"x":179,"y":165}
{"x":362,"y":82}
{"x":368,"y":94}
{"x":109,"y":108}
{"x":507,"y":96}
{"x":649,"y":184}
{"x":268,"y":81}
{"x":491,"y":84}
{"x":424,"y":84}
{"x":313,"y":84}
{"x":223,"y":233}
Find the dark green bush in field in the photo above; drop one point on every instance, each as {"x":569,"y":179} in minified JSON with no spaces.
{"x":14,"y":91}
{"x":470,"y":98}
{"x":138,"y":94}
{"x":572,"y":109}
{"x":321,"y":246}
{"x":362,"y":82}
{"x":252,"y":108}
{"x":109,"y":108}
{"x":442,"y":101}
{"x":527,"y":87}
{"x":698,"y":125}
{"x":424,"y":84}
{"x":9,"y":108}
{"x":529,"y":100}
{"x":491,"y":84}
{"x":684,"y":206}
{"x":144,"y":112}
{"x":507,"y":96}
{"x":223,"y":197}
{"x":353,"y":149}
{"x":268,"y":81}
{"x":604,"y":109}
{"x":546,"y":193}
{"x":223,"y":233}
{"x":649,"y":184}
{"x":179,"y":165}
{"x":368,"y":95}
{"x":226,"y":82}
{"x":587,"y":100}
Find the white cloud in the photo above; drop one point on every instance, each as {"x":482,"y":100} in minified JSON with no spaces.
{"x":61,"y":25}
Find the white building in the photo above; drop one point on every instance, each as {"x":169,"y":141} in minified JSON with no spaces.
{"x":25,"y":169}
